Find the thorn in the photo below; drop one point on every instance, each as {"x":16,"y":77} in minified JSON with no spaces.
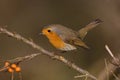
{"x":115,"y":60}
{"x":110,"y":52}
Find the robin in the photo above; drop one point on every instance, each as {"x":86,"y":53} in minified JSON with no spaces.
{"x":67,"y":39}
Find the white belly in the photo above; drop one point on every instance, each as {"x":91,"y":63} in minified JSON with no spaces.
{"x":68,"y":47}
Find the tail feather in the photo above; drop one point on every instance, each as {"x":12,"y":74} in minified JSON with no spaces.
{"x":83,"y":32}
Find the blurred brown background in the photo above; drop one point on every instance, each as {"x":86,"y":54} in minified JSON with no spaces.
{"x":27,"y":17}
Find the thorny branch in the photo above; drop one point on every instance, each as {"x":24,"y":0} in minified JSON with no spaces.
{"x":45,"y":52}
{"x":115,"y":60}
{"x":111,"y":67}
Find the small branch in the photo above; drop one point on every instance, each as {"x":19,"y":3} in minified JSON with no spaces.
{"x":107,"y":70}
{"x":110,"y":52}
{"x":12,"y":76}
{"x":80,"y":76}
{"x":103,"y":75}
{"x":50,"y":54}
{"x":111,"y":68}
{"x":115,"y":60}
{"x":19,"y":60}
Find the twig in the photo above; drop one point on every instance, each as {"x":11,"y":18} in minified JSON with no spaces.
{"x":107,"y":70}
{"x":102,"y":75}
{"x":110,"y":67}
{"x":110,"y":52}
{"x":80,"y":76}
{"x":115,"y":75}
{"x":50,"y":54}
{"x":19,"y":59}
{"x":12,"y":76}
{"x":115,"y":60}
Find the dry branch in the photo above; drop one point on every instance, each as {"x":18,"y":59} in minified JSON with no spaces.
{"x":50,"y":54}
{"x":111,"y":67}
{"x":19,"y":60}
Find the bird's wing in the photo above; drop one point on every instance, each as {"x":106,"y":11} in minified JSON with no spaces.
{"x":83,"y":32}
{"x":77,"y":42}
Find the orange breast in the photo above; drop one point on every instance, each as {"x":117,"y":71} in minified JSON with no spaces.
{"x":54,"y":39}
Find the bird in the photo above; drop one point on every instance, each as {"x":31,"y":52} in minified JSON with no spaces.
{"x":67,"y":39}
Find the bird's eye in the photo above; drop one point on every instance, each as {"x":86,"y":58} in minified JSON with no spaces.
{"x":49,"y":30}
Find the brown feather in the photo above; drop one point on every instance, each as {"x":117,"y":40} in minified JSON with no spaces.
{"x":83,"y":32}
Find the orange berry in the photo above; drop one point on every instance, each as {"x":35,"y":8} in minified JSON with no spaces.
{"x":7,"y":63}
{"x":10,"y":70}
{"x":13,"y":65}
{"x":17,"y":69}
